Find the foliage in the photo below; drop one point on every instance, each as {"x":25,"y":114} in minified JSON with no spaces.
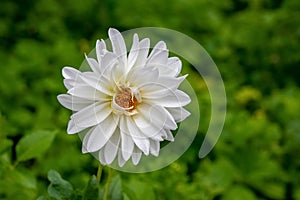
{"x":255,"y":44}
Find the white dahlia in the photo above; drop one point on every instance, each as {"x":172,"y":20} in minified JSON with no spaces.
{"x":127,"y":103}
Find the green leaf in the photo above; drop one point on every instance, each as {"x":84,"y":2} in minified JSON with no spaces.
{"x":59,"y":188}
{"x":34,"y":145}
{"x":115,"y":190}
{"x":5,"y":145}
{"x":92,"y":190}
{"x":239,"y":192}
{"x":136,"y":189}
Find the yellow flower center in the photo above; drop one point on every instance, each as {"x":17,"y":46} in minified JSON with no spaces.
{"x":125,"y":99}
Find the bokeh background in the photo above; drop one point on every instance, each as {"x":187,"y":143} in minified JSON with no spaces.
{"x":255,"y":44}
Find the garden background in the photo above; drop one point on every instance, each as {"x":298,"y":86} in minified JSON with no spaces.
{"x":255,"y":44}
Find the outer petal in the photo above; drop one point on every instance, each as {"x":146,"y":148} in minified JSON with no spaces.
{"x":100,"y":49}
{"x":74,"y":128}
{"x":177,"y":99}
{"x":99,"y":83}
{"x":92,"y":115}
{"x":149,"y":129}
{"x":127,"y":143}
{"x":72,"y":102}
{"x":143,"y":52}
{"x":154,"y":147}
{"x":157,"y":115}
{"x":70,"y":73}
{"x":141,"y":141}
{"x":93,"y":64}
{"x":134,"y":52}
{"x":179,"y":113}
{"x":136,"y":155}
{"x":98,"y":136}
{"x":118,"y":44}
{"x":112,"y":146}
{"x":88,"y":93}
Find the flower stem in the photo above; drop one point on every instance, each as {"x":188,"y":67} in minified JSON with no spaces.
{"x":99,"y":172}
{"x":109,"y":178}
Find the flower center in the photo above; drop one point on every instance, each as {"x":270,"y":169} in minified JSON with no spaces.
{"x":124,"y":98}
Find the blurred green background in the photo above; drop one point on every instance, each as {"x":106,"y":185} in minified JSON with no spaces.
{"x":255,"y":44}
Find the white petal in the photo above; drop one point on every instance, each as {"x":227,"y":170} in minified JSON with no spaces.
{"x":98,"y":136}
{"x":158,"y":116}
{"x":171,"y":82}
{"x":141,"y":141}
{"x":127,"y":143}
{"x":143,"y":52}
{"x":70,"y":73}
{"x":108,"y":60}
{"x":179,"y":113}
{"x":136,"y":155}
{"x":149,"y":129}
{"x":100,"y":83}
{"x":155,"y":90}
{"x":157,"y":49}
{"x":72,"y":102}
{"x":69,"y":83}
{"x":93,"y":64}
{"x":102,"y":157}
{"x":73,"y":127}
{"x":121,"y":160}
{"x":159,"y":58}
{"x":177,"y":99}
{"x":118,"y":44}
{"x":154,"y":147}
{"x":173,"y":67}
{"x":100,"y":48}
{"x":142,"y":76}
{"x":169,"y":136}
{"x":111,"y":147}
{"x":87,"y":92}
{"x":92,"y":115}
{"x":134,"y":52}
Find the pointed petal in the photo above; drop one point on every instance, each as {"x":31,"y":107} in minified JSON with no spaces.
{"x":177,"y":99}
{"x":179,"y":113}
{"x":100,"y":49}
{"x":92,"y":115}
{"x":157,"y":115}
{"x":98,"y":136}
{"x":127,"y":143}
{"x":112,"y":146}
{"x":72,"y":102}
{"x":118,"y":44}
{"x":154,"y":147}
{"x":157,"y":49}
{"x":102,"y":157}
{"x":173,"y":67}
{"x":142,"y":76}
{"x":70,"y":73}
{"x":144,"y":46}
{"x":73,"y":127}
{"x":87,"y":92}
{"x":93,"y":64}
{"x":134,"y":52}
{"x":121,"y":160}
{"x":136,"y":155}
{"x":169,"y":136}
{"x":141,"y":141}
{"x":100,"y":83}
{"x":108,"y":60}
{"x":148,"y":128}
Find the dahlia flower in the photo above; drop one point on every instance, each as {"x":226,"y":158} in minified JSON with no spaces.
{"x":127,"y":103}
